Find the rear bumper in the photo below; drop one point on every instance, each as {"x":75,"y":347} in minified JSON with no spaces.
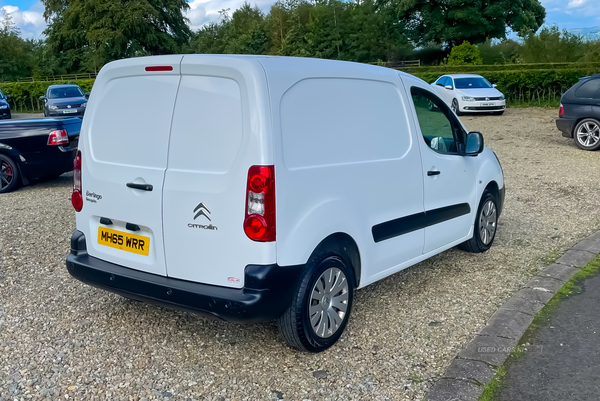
{"x":267,"y":293}
{"x":566,"y":126}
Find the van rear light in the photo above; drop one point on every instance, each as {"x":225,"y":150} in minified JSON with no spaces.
{"x":561,"y":111}
{"x":76,"y":196}
{"x":259,"y":222}
{"x":159,"y":68}
{"x":59,"y":137}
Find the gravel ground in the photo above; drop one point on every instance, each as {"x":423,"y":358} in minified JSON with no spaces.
{"x":61,"y":338}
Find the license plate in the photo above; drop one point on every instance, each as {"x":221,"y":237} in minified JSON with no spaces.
{"x":124,"y":241}
{"x":70,"y":111}
{"x":487,"y":104}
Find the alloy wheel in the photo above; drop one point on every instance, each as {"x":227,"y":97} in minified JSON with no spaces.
{"x":7,"y":174}
{"x":588,"y":134}
{"x":455,"y":105}
{"x":329,"y":302}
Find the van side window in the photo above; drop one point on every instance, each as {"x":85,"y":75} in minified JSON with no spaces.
{"x":440,"y":132}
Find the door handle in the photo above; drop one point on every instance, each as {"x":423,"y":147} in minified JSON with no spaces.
{"x":430,"y":173}
{"x":143,"y":187}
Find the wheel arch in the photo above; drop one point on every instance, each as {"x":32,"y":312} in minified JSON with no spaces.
{"x":493,"y":187}
{"x":343,"y":245}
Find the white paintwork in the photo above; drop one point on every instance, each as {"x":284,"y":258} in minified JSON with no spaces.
{"x":343,"y":137}
{"x":448,"y":95}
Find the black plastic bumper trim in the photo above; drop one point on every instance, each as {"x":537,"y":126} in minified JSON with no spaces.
{"x":267,"y":293}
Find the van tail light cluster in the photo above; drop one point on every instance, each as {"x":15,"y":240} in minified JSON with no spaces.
{"x":561,"y":111}
{"x":259,"y":224}
{"x":59,"y":137}
{"x":77,"y":196}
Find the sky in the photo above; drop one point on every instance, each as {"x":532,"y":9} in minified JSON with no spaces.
{"x":28,"y":14}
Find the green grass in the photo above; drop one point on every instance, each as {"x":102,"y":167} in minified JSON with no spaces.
{"x":549,"y":104}
{"x":571,"y":287}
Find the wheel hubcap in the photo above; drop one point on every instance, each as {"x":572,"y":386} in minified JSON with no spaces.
{"x":6,"y":174}
{"x":487,"y":222}
{"x":588,"y":134}
{"x":329,"y":302}
{"x":454,"y":105}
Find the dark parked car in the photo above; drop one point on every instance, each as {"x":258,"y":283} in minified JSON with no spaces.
{"x":4,"y":107}
{"x":579,"y":115}
{"x":64,"y":100}
{"x":34,"y":149}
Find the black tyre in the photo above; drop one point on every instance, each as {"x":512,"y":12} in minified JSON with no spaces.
{"x":587,"y":134}
{"x":486,"y":224}
{"x":321,"y":305}
{"x":455,"y":107}
{"x":9,"y":174}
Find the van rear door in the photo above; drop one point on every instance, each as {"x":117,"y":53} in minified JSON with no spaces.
{"x":218,"y":132}
{"x":125,"y":139}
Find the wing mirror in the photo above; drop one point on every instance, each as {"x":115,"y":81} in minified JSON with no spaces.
{"x":42,"y":97}
{"x":494,"y":85}
{"x":474,"y":144}
{"x":449,"y":87}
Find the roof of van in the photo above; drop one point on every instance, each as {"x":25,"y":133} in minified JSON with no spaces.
{"x":298,"y":66}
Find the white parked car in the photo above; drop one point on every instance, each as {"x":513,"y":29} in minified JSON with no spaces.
{"x":468,"y":93}
{"x":253,"y":188}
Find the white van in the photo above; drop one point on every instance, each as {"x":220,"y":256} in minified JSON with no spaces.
{"x":253,"y":188}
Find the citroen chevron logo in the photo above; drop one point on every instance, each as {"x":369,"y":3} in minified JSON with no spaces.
{"x":203,"y":211}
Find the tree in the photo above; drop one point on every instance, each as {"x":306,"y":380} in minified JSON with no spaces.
{"x":451,"y":22}
{"x":551,"y":45}
{"x":89,"y":33}
{"x":16,"y":54}
{"x":465,"y":54}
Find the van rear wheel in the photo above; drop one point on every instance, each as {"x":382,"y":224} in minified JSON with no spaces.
{"x":321,"y":305}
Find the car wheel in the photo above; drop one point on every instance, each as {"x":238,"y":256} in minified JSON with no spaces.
{"x":321,"y":305}
{"x":9,"y":174}
{"x":430,"y":105}
{"x":455,"y":108}
{"x":587,"y":134}
{"x":486,"y":225}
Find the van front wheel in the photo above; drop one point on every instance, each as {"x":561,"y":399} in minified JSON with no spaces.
{"x":321,"y":305}
{"x":486,"y":225}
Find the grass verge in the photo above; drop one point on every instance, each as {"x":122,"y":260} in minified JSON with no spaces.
{"x":571,"y":287}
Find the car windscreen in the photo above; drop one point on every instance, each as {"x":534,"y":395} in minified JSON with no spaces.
{"x":60,"y":93}
{"x":471,"y":83}
{"x":2,"y":95}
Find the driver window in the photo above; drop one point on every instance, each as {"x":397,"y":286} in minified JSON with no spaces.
{"x":436,"y":126}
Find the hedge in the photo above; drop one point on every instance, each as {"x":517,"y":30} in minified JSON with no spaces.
{"x":457,"y":69}
{"x":25,"y":96}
